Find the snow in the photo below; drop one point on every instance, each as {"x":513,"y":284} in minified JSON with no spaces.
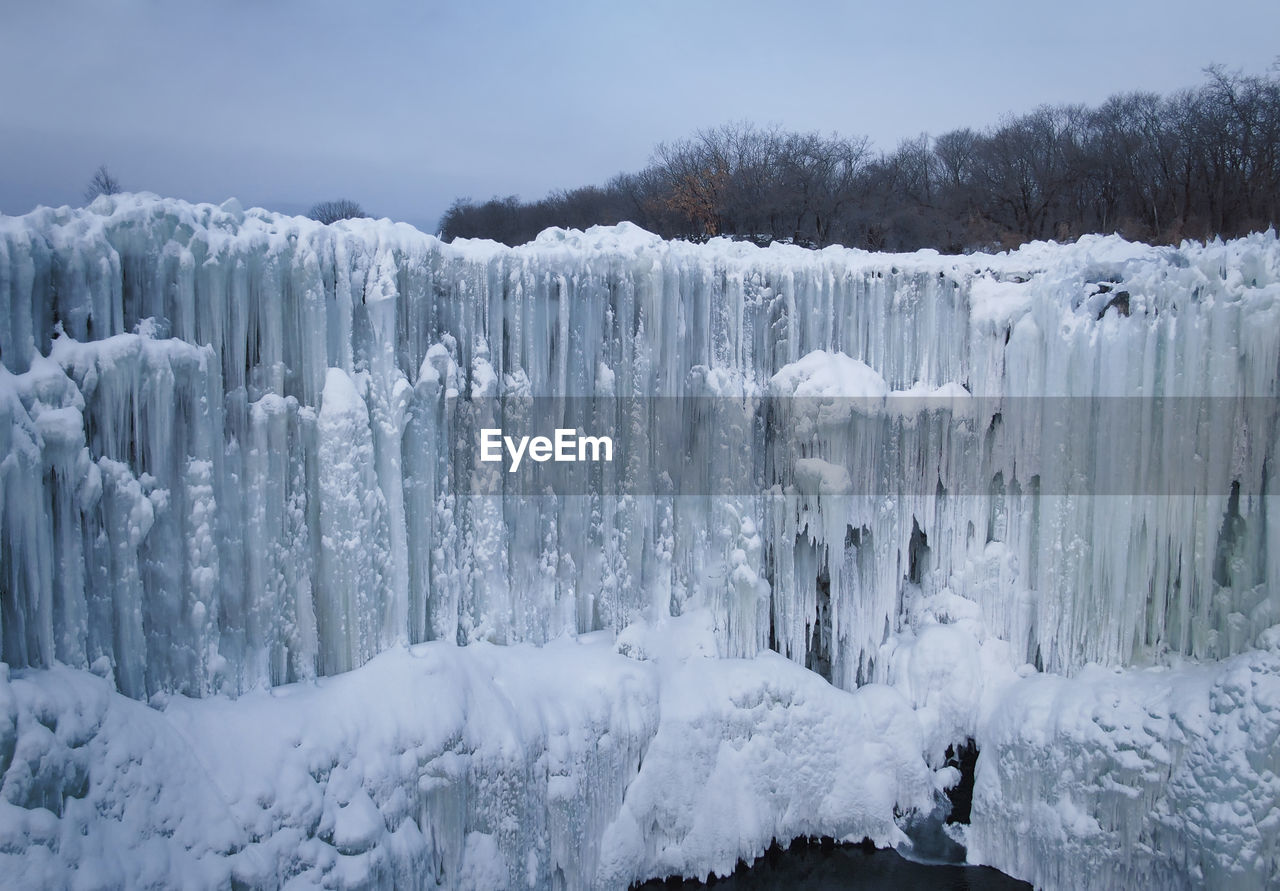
{"x":475,"y":767}
{"x":820,"y":374}
{"x":600,"y":763}
{"x":1162,"y":777}
{"x":238,"y":452}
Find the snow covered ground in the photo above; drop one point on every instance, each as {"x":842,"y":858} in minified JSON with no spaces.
{"x":1024,"y":498}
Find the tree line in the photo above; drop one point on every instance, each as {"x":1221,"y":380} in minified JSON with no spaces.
{"x":1200,"y":162}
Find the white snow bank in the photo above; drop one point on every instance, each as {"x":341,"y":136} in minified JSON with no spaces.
{"x":476,"y":767}
{"x":1156,"y":778}
{"x":596,"y":763}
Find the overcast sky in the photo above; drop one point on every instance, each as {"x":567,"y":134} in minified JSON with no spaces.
{"x":404,"y":106}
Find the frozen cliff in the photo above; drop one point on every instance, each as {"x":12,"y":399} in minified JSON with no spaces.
{"x":240,"y":450}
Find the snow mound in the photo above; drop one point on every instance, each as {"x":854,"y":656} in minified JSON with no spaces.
{"x":476,"y":767}
{"x":1161,"y":778}
{"x":830,"y":375}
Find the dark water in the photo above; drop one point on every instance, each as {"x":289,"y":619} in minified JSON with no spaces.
{"x":826,"y":866}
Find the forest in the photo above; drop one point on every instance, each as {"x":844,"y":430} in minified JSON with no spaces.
{"x":1198,"y":163}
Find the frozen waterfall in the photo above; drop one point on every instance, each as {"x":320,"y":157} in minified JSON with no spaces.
{"x":240,"y":448}
{"x":1023,"y":499}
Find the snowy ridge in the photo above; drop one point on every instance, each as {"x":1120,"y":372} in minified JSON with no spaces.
{"x":283,"y":420}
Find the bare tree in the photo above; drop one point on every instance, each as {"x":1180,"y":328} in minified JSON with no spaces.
{"x":102,"y":183}
{"x":339,"y":209}
{"x":1200,"y":162}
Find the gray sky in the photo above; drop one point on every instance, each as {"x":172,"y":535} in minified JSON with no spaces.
{"x":404,"y":106}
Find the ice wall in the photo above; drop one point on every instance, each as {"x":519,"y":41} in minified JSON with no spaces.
{"x":238,"y":448}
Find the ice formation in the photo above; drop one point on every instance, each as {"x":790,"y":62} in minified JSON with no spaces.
{"x":234,"y":454}
{"x":1160,"y":778}
{"x":590,"y":763}
{"x":239,"y":450}
{"x":478,"y":767}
